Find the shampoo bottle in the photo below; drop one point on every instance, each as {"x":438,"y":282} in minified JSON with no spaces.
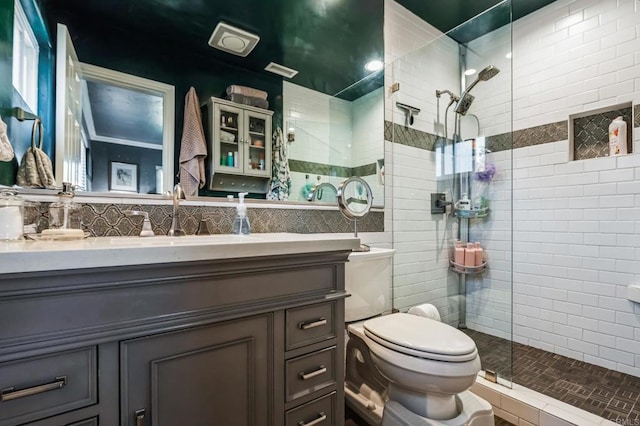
{"x":458,"y":253}
{"x":479,"y":254}
{"x":241,"y":222}
{"x":470,"y":255}
{"x":617,"y":137}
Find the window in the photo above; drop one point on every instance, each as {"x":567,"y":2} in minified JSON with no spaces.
{"x":25,"y":59}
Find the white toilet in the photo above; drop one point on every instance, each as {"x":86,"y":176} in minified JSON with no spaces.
{"x":404,"y":369}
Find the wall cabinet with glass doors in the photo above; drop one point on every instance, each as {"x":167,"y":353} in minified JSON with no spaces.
{"x":239,"y":138}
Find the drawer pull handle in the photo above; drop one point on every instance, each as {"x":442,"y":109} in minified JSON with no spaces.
{"x":320,"y":370}
{"x":312,"y":324}
{"x":9,"y":394}
{"x":139,"y":417}
{"x":321,"y":418}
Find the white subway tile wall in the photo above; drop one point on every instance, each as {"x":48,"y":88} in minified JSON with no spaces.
{"x":575,"y":224}
{"x":576,"y":245}
{"x":330,"y":130}
{"x":423,"y":61}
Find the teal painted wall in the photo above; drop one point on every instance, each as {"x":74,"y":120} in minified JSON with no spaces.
{"x":7,"y":170}
{"x":20,"y":132}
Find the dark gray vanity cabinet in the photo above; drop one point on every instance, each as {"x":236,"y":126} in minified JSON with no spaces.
{"x":220,"y":374}
{"x":251,"y":341}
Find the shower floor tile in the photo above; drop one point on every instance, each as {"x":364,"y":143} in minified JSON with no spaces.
{"x":606,"y":393}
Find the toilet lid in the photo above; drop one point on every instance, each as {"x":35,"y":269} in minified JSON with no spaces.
{"x":421,"y":337}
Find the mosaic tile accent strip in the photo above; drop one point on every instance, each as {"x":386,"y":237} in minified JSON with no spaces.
{"x":109,"y":220}
{"x":331,"y":170}
{"x":410,"y":137}
{"x":388,"y":131}
{"x":606,"y":393}
{"x":364,"y":170}
{"x":636,"y":119}
{"x":501,"y":142}
{"x":591,"y":133}
{"x":538,"y":135}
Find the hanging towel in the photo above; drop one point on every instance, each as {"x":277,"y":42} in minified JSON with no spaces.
{"x":280,"y":174}
{"x":8,"y":162}
{"x":193,"y":148}
{"x":6,"y":150}
{"x":35,"y":169}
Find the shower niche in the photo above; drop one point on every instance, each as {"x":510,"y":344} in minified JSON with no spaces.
{"x":589,"y":131}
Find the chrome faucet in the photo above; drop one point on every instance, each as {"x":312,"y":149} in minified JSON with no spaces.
{"x":176,"y":229}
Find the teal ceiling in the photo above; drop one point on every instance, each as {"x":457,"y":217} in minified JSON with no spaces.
{"x":327,"y":41}
{"x":446,"y":15}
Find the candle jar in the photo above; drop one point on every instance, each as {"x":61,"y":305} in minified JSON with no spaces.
{"x":11,"y":216}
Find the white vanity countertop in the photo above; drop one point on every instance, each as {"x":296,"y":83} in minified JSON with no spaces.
{"x":32,"y":256}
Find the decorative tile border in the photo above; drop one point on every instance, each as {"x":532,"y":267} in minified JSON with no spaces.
{"x":331,"y":170}
{"x":537,"y":135}
{"x":403,"y":135}
{"x":104,"y":220}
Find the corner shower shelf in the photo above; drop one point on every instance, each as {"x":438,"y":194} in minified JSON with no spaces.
{"x":471,"y":214}
{"x":468,"y":270}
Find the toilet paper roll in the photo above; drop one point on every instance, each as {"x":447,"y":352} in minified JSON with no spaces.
{"x":426,"y":310}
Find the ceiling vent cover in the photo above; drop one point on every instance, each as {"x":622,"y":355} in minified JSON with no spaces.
{"x":281,"y":70}
{"x":233,"y":40}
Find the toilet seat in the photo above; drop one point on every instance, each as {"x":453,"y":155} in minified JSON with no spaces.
{"x":421,"y":337}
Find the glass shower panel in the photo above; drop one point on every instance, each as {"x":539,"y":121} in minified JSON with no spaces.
{"x":459,"y":144}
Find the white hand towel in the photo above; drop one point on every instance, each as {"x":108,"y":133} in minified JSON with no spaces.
{"x":193,"y":148}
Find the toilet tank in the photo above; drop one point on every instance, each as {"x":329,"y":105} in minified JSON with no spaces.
{"x":368,"y":279}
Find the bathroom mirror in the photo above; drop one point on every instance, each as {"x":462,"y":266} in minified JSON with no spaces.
{"x":323,"y":193}
{"x":126,"y":119}
{"x":327,"y":42}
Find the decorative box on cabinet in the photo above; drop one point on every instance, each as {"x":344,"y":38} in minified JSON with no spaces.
{"x":239,"y":139}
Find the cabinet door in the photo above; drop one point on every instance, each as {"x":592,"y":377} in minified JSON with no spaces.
{"x":258,"y":144}
{"x":213,"y":375}
{"x":228,"y":139}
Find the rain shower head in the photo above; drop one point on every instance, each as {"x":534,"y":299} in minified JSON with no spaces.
{"x":466,"y":99}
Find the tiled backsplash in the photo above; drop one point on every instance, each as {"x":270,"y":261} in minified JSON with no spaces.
{"x":109,"y":220}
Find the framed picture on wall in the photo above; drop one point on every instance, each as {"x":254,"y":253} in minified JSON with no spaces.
{"x":123,"y":177}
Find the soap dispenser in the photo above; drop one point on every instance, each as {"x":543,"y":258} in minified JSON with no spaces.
{"x":241,"y":222}
{"x":65,"y":213}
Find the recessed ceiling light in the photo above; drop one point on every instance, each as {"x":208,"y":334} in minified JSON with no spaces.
{"x":470,"y":71}
{"x":508,"y":55}
{"x":233,"y":40}
{"x":374,"y":65}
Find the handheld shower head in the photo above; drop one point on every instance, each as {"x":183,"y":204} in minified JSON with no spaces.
{"x":466,"y":99}
{"x":488,"y":73}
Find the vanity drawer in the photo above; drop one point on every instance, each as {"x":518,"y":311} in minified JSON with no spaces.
{"x":38,"y":387}
{"x":88,"y":422}
{"x":319,"y":412}
{"x":310,"y":373}
{"x":310,"y":324}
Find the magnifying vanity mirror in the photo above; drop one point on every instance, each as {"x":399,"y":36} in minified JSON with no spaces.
{"x":354,"y":199}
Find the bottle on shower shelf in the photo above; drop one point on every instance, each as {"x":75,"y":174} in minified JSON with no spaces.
{"x":479,"y":252}
{"x":458,"y":253}
{"x":470,"y":255}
